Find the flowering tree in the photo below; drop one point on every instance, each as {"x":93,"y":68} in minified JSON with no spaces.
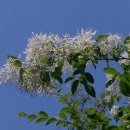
{"x":50,"y":58}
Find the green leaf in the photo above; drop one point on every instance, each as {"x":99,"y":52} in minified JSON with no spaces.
{"x":40,"y":120}
{"x":21,"y":72}
{"x":62,"y":123}
{"x":74,"y":86}
{"x":111,"y":81}
{"x":66,"y":110}
{"x":76,"y":55}
{"x":89,"y":77}
{"x":127,"y":40}
{"x":51,"y":120}
{"x":101,"y":38}
{"x":110,"y":70}
{"x":69,"y":79}
{"x":64,"y":99}
{"x":32,"y":117}
{"x":111,"y":103}
{"x":91,"y":110}
{"x":62,"y":115}
{"x":125,"y":88}
{"x":43,"y":114}
{"x":119,"y":98}
{"x":60,"y":80}
{"x":22,"y":114}
{"x":78,"y":128}
{"x":120,"y":113}
{"x":16,"y":62}
{"x":76,"y":104}
{"x":90,"y":90}
{"x":12,"y":57}
{"x":76,"y":72}
{"x":113,"y":127}
{"x":45,"y":76}
{"x":58,"y":73}
{"x":73,"y":117}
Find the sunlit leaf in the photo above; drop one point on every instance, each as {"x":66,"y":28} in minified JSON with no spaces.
{"x":16,"y":62}
{"x":127,"y":40}
{"x":101,"y":38}
{"x":110,"y":71}
{"x":32,"y":117}
{"x":51,"y":120}
{"x":43,"y":114}
{"x":66,"y":110}
{"x":62,"y":115}
{"x":61,"y":123}
{"x":119,"y":98}
{"x":40,"y":120}
{"x":22,"y":114}
{"x":76,"y":104}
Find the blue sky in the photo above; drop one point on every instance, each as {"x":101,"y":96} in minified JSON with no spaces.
{"x":19,"y":18}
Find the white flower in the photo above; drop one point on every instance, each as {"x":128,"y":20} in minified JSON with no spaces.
{"x":114,"y":39}
{"x":42,"y":47}
{"x":79,"y":42}
{"x":114,"y":110}
{"x":8,"y":73}
{"x":33,"y":84}
{"x":109,"y":76}
{"x":128,"y":100}
{"x":128,"y":126}
{"x":111,"y":45}
{"x":107,"y":99}
{"x":84,"y":39}
{"x":114,"y":87}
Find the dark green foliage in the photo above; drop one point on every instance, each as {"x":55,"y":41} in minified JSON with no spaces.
{"x":51,"y":120}
{"x":74,"y":86}
{"x":58,"y":73}
{"x":40,"y":120}
{"x":16,"y":62}
{"x":127,"y":40}
{"x":43,"y":114}
{"x":88,"y":77}
{"x":69,"y":79}
{"x":90,"y":90}
{"x":101,"y":37}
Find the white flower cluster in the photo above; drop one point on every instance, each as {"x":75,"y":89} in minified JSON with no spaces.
{"x":9,"y":73}
{"x":32,"y":83}
{"x":46,"y":50}
{"x":114,"y":110}
{"x":111,"y":45}
{"x":114,"y":87}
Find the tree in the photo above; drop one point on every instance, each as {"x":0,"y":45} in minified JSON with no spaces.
{"x":49,"y":57}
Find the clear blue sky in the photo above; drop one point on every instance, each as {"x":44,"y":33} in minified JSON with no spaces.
{"x":19,"y":18}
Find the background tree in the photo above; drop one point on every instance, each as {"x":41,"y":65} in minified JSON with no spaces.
{"x":51,"y":62}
